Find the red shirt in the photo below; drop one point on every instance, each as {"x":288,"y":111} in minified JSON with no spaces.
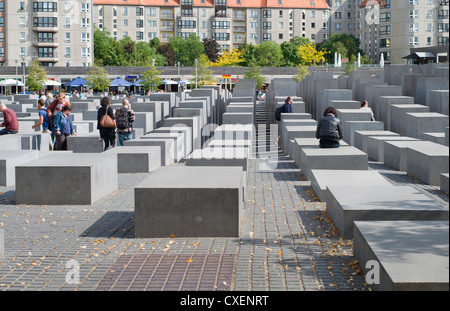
{"x":10,"y":120}
{"x":52,"y":107}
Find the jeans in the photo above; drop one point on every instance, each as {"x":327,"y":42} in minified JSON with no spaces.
{"x":124,"y":136}
{"x":328,"y":143}
{"x":5,"y":132}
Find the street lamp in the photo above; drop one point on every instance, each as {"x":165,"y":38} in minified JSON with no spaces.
{"x":196,"y":62}
{"x":24,"y":84}
{"x":153,"y":63}
{"x":178,"y":65}
{"x":17,"y":79}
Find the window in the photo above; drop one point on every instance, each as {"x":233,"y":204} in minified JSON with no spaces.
{"x":2,"y":21}
{"x":187,"y":24}
{"x":443,"y":14}
{"x":267,"y":25}
{"x":139,"y":11}
{"x":85,"y":37}
{"x":44,"y":22}
{"x":413,"y":41}
{"x":385,"y":43}
{"x":152,"y":23}
{"x":254,"y":13}
{"x":267,"y":13}
{"x":85,"y":7}
{"x":2,"y":52}
{"x":139,"y":23}
{"x":385,"y":30}
{"x":443,"y":41}
{"x":219,"y":36}
{"x":45,"y":52}
{"x":125,"y":11}
{"x":85,"y":52}
{"x":22,"y":37}
{"x":67,"y":55}
{"x":338,"y":26}
{"x":85,"y":22}
{"x":45,"y":6}
{"x":43,"y":36}
{"x":254,"y":36}
{"x":413,"y":2}
{"x":413,"y":13}
{"x":220,"y":25}
{"x":139,"y":35}
{"x":280,"y":36}
{"x":151,"y":12}
{"x":443,"y":27}
{"x":267,"y":37}
{"x":414,"y":27}
{"x":2,"y":36}
{"x":253,"y":25}
{"x":325,"y":26}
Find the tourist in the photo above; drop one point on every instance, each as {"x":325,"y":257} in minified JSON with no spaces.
{"x":106,"y":133}
{"x":60,"y":100}
{"x":365,"y":106}
{"x":329,"y":129}
{"x":63,"y":127}
{"x":10,"y":122}
{"x":286,"y":108}
{"x":49,"y":99}
{"x":43,"y":120}
{"x":124,"y":121}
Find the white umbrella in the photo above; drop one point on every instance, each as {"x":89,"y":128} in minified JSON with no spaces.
{"x":169,"y":82}
{"x":382,"y":60}
{"x":359,"y":59}
{"x":52,"y":83}
{"x":11,"y":82}
{"x":339,"y":61}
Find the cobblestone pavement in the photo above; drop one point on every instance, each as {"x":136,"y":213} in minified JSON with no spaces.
{"x":287,"y":243}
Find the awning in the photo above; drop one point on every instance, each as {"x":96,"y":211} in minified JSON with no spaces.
{"x":417,"y":55}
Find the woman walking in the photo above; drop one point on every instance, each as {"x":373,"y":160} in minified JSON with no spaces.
{"x":106,"y":124}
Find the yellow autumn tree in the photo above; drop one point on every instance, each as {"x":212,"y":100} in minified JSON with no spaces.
{"x":309,"y":54}
{"x":233,"y":57}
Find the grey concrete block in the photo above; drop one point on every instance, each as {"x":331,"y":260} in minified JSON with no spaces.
{"x":398,"y":113}
{"x":85,"y":143}
{"x":10,"y":142}
{"x":189,"y":202}
{"x":342,"y":158}
{"x":193,"y":122}
{"x":296,"y":131}
{"x":145,"y":121}
{"x":180,"y":150}
{"x":320,"y":179}
{"x":82,"y":178}
{"x":349,"y":127}
{"x":438,"y":138}
{"x":360,"y":138}
{"x":287,"y":116}
{"x":2,"y":241}
{"x":427,"y":162}
{"x":410,"y":255}
{"x":375,"y":145}
{"x":166,"y":145}
{"x":141,"y":159}
{"x":344,"y":104}
{"x":348,"y":204}
{"x":237,"y":118}
{"x":438,"y":101}
{"x":384,"y":107}
{"x":305,"y":142}
{"x":444,"y":182}
{"x":9,"y":159}
{"x":417,"y":123}
{"x":219,"y":156}
{"x":395,"y":153}
{"x":353,"y":115}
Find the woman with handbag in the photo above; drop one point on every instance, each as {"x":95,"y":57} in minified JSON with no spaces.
{"x":106,"y":124}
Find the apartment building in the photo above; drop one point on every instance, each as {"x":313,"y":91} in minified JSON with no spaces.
{"x":230,"y":22}
{"x":394,"y":27}
{"x":56,"y":33}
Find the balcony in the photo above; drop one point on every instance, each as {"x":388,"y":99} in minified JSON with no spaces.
{"x":45,"y":42}
{"x":46,"y":57}
{"x":167,"y":16}
{"x":186,"y":15}
{"x":168,"y":28}
{"x":239,"y":28}
{"x":240,"y":17}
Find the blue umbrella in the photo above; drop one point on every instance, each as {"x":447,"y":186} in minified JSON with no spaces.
{"x":138,"y":83}
{"x":120,"y":82}
{"x":184,"y":82}
{"x":77,"y":82}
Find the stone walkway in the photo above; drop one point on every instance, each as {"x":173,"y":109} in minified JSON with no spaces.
{"x":287,"y":243}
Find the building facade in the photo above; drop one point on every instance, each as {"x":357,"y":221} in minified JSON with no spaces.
{"x":56,"y":33}
{"x":231,"y":22}
{"x":394,"y":27}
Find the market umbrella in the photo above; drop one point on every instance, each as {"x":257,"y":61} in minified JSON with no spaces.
{"x":11,"y":82}
{"x":52,"y":83}
{"x":169,"y":82}
{"x":77,"y":82}
{"x":184,"y":82}
{"x":120,"y":82}
{"x":138,"y":83}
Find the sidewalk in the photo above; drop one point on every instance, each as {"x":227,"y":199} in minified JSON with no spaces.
{"x":287,"y":242}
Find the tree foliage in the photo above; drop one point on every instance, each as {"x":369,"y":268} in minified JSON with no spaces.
{"x":203,"y":75}
{"x":187,"y":50}
{"x":150,"y":79}
{"x":302,"y":73}
{"x":36,"y":77}
{"x":309,"y":55}
{"x":231,"y":58}
{"x":211,"y":49}
{"x":340,"y":43}
{"x":97,"y":79}
{"x":255,"y":73}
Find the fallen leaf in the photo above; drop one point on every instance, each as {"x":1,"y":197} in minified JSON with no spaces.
{"x":189,"y":260}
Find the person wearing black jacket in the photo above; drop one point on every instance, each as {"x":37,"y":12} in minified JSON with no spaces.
{"x":107,"y":134}
{"x":329,"y":129}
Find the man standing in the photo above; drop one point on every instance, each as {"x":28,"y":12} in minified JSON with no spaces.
{"x":10,"y":122}
{"x":124,"y":119}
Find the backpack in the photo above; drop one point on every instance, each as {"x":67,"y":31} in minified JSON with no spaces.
{"x":122,"y":119}
{"x":278,"y":112}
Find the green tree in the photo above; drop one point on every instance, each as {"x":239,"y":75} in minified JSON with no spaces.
{"x":211,"y":49}
{"x":107,"y":51}
{"x":255,"y":73}
{"x":151,"y":79}
{"x":289,"y":49}
{"x":248,"y":54}
{"x":187,"y":50}
{"x":36,"y":77}
{"x":339,"y":43}
{"x":97,"y":79}
{"x":302,"y":73}
{"x":204,"y":75}
{"x":268,"y":54}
